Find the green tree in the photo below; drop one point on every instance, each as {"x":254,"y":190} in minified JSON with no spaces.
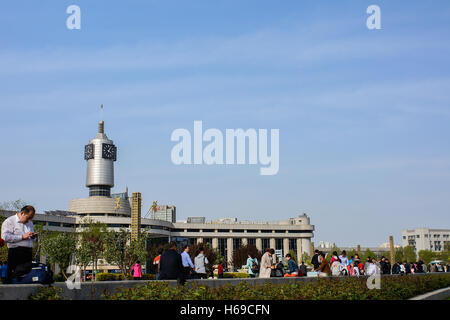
{"x":409,"y":254}
{"x":305,"y":258}
{"x":93,"y":238}
{"x":428,"y":255}
{"x":120,"y":250}
{"x":368,"y":253}
{"x":59,"y":248}
{"x":15,"y":205}
{"x":83,"y":256}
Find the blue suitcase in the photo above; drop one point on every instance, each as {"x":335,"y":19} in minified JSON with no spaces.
{"x":39,"y":273}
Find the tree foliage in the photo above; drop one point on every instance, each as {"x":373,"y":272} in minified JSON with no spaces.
{"x":210,"y":253}
{"x":59,"y":247}
{"x":15,"y":205}
{"x":122,"y":251}
{"x":93,"y":238}
{"x":241,"y":254}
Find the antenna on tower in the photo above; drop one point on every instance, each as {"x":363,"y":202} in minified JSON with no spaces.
{"x":101,"y":124}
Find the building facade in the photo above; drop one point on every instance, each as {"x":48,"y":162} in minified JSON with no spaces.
{"x":426,"y":239}
{"x":114,"y":210}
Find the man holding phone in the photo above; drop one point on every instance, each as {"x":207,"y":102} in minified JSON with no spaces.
{"x":18,"y":233}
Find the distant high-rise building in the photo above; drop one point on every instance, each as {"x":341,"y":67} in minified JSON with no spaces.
{"x":164,"y":212}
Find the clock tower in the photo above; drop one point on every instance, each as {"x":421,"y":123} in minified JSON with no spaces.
{"x":100,"y":154}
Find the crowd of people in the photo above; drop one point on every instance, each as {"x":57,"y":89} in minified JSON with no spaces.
{"x":171,"y":265}
{"x":336,"y":265}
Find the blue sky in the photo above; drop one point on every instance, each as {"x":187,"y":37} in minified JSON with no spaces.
{"x":363,"y":115}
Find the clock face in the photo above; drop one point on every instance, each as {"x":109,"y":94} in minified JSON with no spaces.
{"x":88,"y":152}
{"x":109,"y":151}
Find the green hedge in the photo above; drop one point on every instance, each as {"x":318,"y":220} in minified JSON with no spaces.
{"x":109,"y":276}
{"x":392,"y":288}
{"x":236,"y":275}
{"x":120,"y":276}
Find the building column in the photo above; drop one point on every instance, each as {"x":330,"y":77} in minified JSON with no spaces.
{"x":259,"y":244}
{"x":299,"y":250}
{"x":272,"y":243}
{"x":199,"y":240}
{"x":285,"y":246}
{"x":229,"y":251}
{"x":306,"y":245}
{"x":215,"y":243}
{"x":244,"y":241}
{"x":272,"y":246}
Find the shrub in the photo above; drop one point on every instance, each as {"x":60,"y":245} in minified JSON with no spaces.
{"x":47,"y":293}
{"x":59,"y":277}
{"x":148,"y":276}
{"x":236,"y":275}
{"x":392,"y":288}
{"x":109,"y":276}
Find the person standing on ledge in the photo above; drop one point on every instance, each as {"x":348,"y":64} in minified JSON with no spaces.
{"x":18,"y":233}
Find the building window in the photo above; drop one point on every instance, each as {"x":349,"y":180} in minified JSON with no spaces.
{"x":192,"y":241}
{"x":265,"y":243}
{"x":237,"y":242}
{"x":54,"y":224}
{"x":299,"y":231}
{"x":208,"y":230}
{"x":222,"y":246}
{"x":280,"y":231}
{"x":208,"y":241}
{"x":278,"y":244}
{"x":417,"y":236}
{"x":266,"y":231}
{"x":223,"y":230}
{"x":193,"y":230}
{"x":238,"y":230}
{"x":293,"y":245}
{"x":252,"y":241}
{"x":252,"y":231}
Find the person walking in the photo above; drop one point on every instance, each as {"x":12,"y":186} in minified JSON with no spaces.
{"x":201,"y":263}
{"x":266,"y":264}
{"x":156,"y":264}
{"x":220,"y":271}
{"x":137,"y":271}
{"x":292,"y":265}
{"x":18,"y":233}
{"x":188,"y":266}
{"x":252,"y":265}
{"x":170,"y":265}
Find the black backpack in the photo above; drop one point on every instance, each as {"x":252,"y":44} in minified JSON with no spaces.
{"x":255,"y":267}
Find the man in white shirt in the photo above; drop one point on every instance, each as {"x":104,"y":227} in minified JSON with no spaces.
{"x":18,"y":233}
